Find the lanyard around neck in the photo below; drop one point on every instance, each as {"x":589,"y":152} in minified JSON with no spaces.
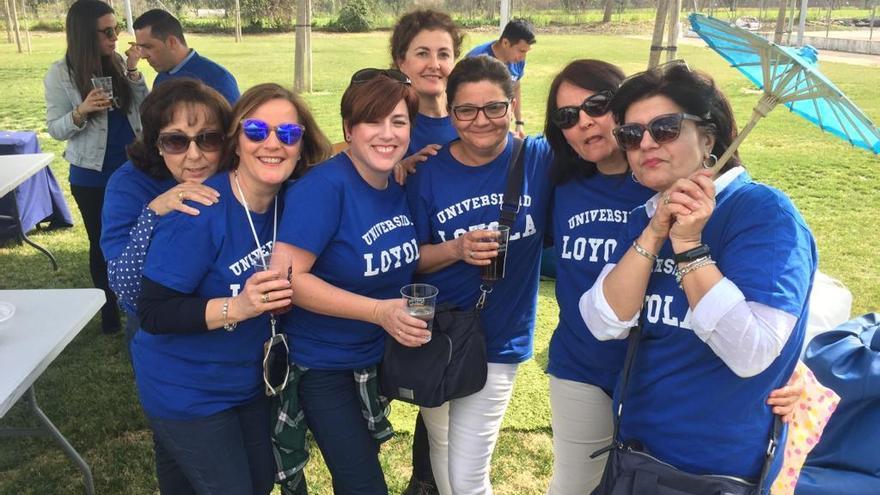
{"x":247,"y":212}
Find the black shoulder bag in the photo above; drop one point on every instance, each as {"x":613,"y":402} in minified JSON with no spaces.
{"x":631,"y":470}
{"x":453,"y":364}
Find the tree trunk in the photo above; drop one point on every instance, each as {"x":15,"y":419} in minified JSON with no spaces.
{"x":657,"y":38}
{"x":609,"y":9}
{"x":674,"y":13}
{"x":27,"y":29}
{"x":302,"y":63}
{"x":8,"y":22}
{"x":237,"y":21}
{"x":780,"y":23}
{"x":15,"y":26}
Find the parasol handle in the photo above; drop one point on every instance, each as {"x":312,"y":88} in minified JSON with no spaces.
{"x":764,"y":106}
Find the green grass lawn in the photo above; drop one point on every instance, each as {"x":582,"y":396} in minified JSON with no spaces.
{"x":89,"y":391}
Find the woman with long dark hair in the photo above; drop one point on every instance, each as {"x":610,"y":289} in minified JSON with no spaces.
{"x":96,"y":121}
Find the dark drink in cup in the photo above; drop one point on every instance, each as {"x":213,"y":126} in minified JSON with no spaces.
{"x":495,"y":269}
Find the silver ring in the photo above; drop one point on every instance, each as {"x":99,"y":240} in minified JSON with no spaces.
{"x":666,"y":199}
{"x":265,"y":298}
{"x":470,"y":254}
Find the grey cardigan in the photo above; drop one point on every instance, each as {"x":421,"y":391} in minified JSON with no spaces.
{"x":85,"y":145}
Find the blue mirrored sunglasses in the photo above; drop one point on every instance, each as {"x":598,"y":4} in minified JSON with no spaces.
{"x":256,"y":130}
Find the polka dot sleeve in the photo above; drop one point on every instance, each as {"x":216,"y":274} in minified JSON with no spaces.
{"x":124,"y":273}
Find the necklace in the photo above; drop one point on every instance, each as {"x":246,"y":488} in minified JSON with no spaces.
{"x":247,"y":212}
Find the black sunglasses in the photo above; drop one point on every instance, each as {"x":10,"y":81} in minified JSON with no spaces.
{"x":493,"y":110}
{"x":175,"y":143}
{"x":663,"y":129}
{"x":365,"y":75}
{"x":111,"y":32}
{"x":594,"y":106}
{"x":289,"y":133}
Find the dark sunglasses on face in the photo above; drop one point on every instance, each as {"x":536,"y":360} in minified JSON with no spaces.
{"x":175,"y":143}
{"x":594,"y":106}
{"x":365,"y":75}
{"x":289,"y":133}
{"x":663,"y":129}
{"x":111,"y":32}
{"x":493,"y":110}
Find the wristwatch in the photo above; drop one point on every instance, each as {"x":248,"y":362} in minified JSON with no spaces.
{"x":519,"y":122}
{"x":696,"y":253}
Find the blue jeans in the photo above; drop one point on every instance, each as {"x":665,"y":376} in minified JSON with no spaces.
{"x":227,"y":453}
{"x":333,"y":412}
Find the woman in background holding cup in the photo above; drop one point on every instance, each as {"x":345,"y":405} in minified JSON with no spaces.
{"x":96,"y":130}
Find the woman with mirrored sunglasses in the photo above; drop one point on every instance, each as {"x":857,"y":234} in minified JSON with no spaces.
{"x":716,"y":267}
{"x":206,"y":297}
{"x":165,"y":172}
{"x":97,"y":128}
{"x":349,"y":238}
{"x":455,"y":196}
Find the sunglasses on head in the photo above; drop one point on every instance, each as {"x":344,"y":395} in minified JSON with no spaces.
{"x":663,"y":129}
{"x":289,"y":133}
{"x":111,"y":32}
{"x":175,"y":143}
{"x":275,"y":362}
{"x":594,"y":106}
{"x":365,"y":75}
{"x":493,"y":110}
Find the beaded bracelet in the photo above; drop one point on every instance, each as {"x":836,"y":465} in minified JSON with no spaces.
{"x":225,"y":312}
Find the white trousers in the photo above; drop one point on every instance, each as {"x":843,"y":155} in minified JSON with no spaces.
{"x":463,"y":433}
{"x":582,"y":421}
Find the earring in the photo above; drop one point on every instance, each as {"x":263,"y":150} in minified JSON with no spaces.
{"x":710,"y":161}
{"x":634,"y":178}
{"x":347,"y":138}
{"x":161,"y":153}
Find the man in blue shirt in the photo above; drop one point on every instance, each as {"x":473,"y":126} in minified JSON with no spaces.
{"x":515,"y":42}
{"x":160,"y":39}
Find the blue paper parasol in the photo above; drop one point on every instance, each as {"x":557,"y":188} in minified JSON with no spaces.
{"x":788,"y":76}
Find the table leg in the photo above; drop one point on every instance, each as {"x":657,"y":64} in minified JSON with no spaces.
{"x":23,"y":236}
{"x":62,"y":442}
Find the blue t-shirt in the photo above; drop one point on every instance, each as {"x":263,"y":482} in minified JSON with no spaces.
{"x":588,"y":213}
{"x":517,"y":69}
{"x":211,"y":254}
{"x":365,"y":243}
{"x":128,"y":192}
{"x":207,"y":71}
{"x":430,"y":130}
{"x":686,"y":406}
{"x":119,"y":135}
{"x":448,"y":199}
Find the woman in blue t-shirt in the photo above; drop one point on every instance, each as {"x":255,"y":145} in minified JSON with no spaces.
{"x":204,"y":303}
{"x":184,"y":129}
{"x":97,"y":128}
{"x":349,"y":236}
{"x":424,"y":46}
{"x":455,"y":196}
{"x":718,"y":269}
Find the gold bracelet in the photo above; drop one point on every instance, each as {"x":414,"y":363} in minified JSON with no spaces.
{"x":225,"y":312}
{"x":644,"y":252}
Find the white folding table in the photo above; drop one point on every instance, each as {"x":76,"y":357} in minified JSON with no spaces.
{"x":45,"y":321}
{"x":15,"y":169}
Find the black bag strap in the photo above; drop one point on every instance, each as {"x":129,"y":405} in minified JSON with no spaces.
{"x":632,"y":348}
{"x":510,"y":206}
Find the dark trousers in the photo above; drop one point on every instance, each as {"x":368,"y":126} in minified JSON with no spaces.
{"x":421,"y":452}
{"x":333,"y":412}
{"x":228,"y":453}
{"x":90,"y":201}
